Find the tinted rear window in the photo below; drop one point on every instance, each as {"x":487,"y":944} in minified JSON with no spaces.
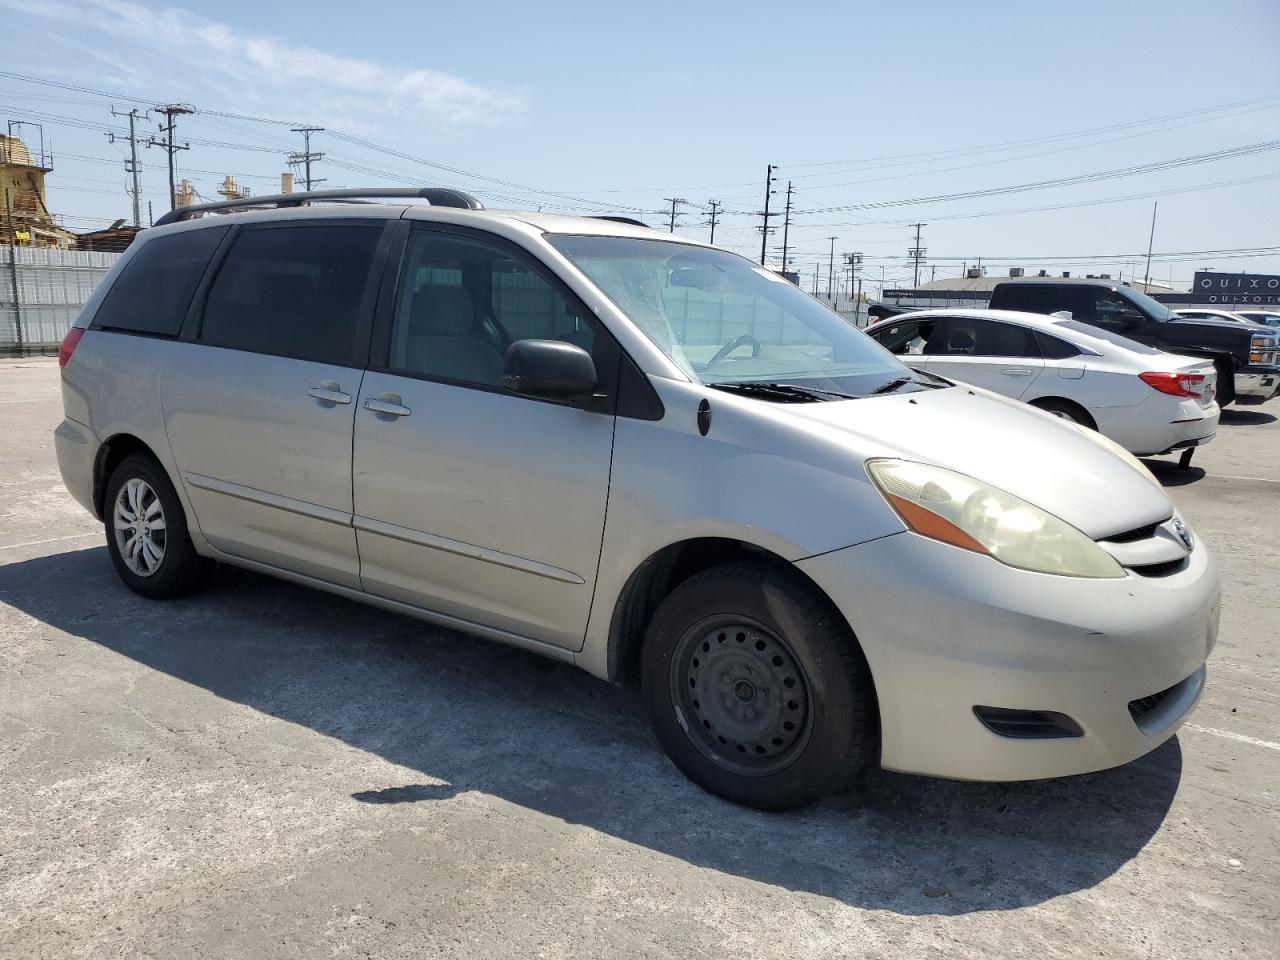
{"x":152,"y":293}
{"x":293,"y":291}
{"x":1100,"y":334}
{"x":1054,"y":349}
{"x":983,"y":338}
{"x":1031,"y":297}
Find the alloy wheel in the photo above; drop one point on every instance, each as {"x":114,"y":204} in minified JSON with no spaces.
{"x":139,"y":524}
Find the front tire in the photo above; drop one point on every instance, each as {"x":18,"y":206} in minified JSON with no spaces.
{"x":147,"y":531}
{"x":756,"y":688}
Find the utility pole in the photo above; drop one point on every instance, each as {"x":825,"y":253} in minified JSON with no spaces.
{"x":715,"y":206}
{"x":13,"y":272}
{"x":855,"y":263}
{"x":306,"y":156}
{"x":171,"y":111}
{"x":131,"y":165}
{"x":674,"y":201}
{"x":1150,"y":245}
{"x":831,"y":270}
{"x":917,"y":253}
{"x":769,"y":179}
{"x":816,"y":270}
{"x":786,"y":229}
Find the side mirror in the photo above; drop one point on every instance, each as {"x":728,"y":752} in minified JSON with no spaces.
{"x":550,"y":369}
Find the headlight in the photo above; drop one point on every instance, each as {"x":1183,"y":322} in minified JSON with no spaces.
{"x":966,"y":513}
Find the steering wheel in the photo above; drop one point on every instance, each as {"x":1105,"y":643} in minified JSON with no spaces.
{"x":733,"y":345}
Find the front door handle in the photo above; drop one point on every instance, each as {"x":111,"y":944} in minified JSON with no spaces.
{"x":1017,"y":371}
{"x":387,"y":405}
{"x":330,"y":392}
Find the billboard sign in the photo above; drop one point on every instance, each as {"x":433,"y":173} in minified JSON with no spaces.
{"x":1236,"y":287}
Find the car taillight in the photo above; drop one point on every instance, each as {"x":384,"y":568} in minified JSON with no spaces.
{"x":1175,"y":384}
{"x":68,"y":345}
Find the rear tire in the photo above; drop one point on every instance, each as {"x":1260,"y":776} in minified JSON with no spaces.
{"x":756,"y":688}
{"x":1067,"y":411}
{"x":147,"y":531}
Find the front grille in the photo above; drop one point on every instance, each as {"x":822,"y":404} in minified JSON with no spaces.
{"x":1160,"y":569}
{"x":1143,"y":705}
{"x":1141,"y":533}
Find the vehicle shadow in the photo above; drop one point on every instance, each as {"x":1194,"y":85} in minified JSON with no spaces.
{"x":1171,"y":475}
{"x":473,"y":716}
{"x":1237,"y":416}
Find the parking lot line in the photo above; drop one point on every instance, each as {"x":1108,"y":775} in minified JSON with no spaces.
{"x":1227,"y":476}
{"x":1227,"y":734}
{"x":33,"y":543}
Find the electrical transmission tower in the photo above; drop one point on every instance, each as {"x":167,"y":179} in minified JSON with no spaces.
{"x":171,"y":112}
{"x":675,"y":202}
{"x":306,"y":157}
{"x":713,"y":217}
{"x":131,"y":165}
{"x":916,"y":253}
{"x":764,"y":228}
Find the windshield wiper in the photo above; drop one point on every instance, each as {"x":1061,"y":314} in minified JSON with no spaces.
{"x":892,"y":385}
{"x":782,"y":391}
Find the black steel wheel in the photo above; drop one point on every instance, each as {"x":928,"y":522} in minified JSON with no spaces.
{"x":742,"y":694}
{"x":756,"y":687}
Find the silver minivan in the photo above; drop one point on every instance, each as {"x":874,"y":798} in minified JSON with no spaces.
{"x":645,"y":456}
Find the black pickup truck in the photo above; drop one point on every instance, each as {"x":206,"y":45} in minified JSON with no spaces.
{"x":1245,"y":355}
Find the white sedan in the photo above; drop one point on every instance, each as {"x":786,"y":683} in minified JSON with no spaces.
{"x":1148,"y":401}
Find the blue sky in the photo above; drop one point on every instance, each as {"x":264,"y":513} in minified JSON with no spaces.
{"x":589,"y":107}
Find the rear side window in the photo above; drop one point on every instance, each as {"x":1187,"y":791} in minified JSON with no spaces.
{"x":154,"y":290}
{"x":1054,"y":349}
{"x":293,"y":291}
{"x":971,"y":336}
{"x":1033,"y":298}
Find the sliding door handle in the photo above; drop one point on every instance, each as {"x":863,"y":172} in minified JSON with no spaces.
{"x":387,"y":405}
{"x":329,"y":392}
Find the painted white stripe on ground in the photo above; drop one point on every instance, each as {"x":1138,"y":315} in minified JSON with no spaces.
{"x":1240,"y":737}
{"x":1227,"y":476}
{"x":33,"y":543}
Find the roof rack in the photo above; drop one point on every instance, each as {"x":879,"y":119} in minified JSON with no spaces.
{"x":631,"y":220}
{"x":436,"y":196}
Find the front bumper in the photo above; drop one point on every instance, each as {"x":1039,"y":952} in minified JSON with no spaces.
{"x":1257,"y":384}
{"x":945,"y":630}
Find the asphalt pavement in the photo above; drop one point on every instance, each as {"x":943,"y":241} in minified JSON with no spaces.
{"x":261,"y":770}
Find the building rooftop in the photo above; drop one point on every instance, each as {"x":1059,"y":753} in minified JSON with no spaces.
{"x":986,"y":284}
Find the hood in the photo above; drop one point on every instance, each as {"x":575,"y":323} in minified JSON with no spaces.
{"x":1070,"y":472}
{"x":1214,"y":322}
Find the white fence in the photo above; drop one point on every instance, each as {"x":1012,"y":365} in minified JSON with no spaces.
{"x":52,"y":286}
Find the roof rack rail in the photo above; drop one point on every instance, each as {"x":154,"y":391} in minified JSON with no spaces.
{"x":436,"y":196}
{"x":631,"y":220}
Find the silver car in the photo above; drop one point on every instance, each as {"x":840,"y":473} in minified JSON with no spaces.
{"x":645,"y":456}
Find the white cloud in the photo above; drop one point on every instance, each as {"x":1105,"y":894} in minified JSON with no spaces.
{"x":271,"y":70}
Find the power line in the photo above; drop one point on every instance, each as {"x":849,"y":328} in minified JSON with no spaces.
{"x":1094,"y":177}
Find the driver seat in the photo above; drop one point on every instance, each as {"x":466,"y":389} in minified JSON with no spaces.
{"x":446,"y":341}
